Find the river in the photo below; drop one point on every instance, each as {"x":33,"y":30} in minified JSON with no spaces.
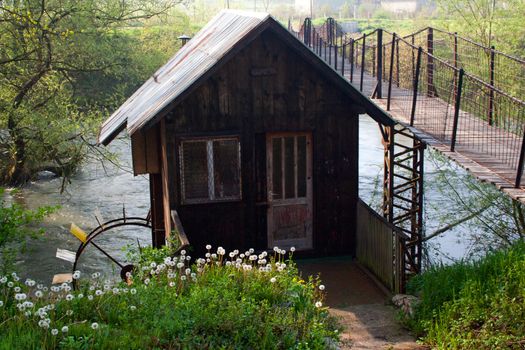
{"x":102,"y":191}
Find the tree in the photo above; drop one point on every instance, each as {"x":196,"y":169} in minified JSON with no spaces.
{"x":494,"y":219}
{"x":49,"y":51}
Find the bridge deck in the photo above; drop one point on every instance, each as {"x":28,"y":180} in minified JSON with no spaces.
{"x":497,"y":161}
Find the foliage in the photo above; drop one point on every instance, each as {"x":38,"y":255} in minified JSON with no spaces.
{"x":246,"y":301}
{"x":473,"y":305}
{"x":466,"y":197}
{"x":16,"y":225}
{"x":63,"y":66}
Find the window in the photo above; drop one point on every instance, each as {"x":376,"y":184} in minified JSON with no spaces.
{"x":210,"y":169}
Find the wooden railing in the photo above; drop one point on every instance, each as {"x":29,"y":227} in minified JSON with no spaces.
{"x":380,"y":248}
{"x":178,"y":231}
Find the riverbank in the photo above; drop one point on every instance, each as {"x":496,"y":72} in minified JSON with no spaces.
{"x":473,"y":305}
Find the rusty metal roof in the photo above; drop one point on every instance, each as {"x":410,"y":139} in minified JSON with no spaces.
{"x":189,"y":64}
{"x":196,"y":61}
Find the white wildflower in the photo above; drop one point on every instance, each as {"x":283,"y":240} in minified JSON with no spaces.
{"x":10,"y":284}
{"x":132,"y":307}
{"x":30,"y":282}
{"x":90,"y":297}
{"x":70,"y":297}
{"x":172,"y":284}
{"x":54,"y":331}
{"x":208,"y":246}
{"x":65,"y":329}
{"x":39,"y":294}
{"x":146,"y":281}
{"x":183,"y":252}
{"x":318,"y":304}
{"x":133,"y":291}
{"x":273,"y":280}
{"x":292,"y":249}
{"x":321,"y":287}
{"x":76,"y":275}
{"x":94,"y":325}
{"x":69,"y":312}
{"x":17,"y":289}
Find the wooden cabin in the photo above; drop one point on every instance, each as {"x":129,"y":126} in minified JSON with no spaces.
{"x":251,"y":138}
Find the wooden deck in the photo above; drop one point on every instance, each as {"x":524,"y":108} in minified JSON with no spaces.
{"x":473,"y":134}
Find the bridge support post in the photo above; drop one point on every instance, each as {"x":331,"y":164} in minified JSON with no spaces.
{"x":521,"y":160}
{"x":491,"y":96}
{"x":379,"y":60}
{"x":403,"y":194}
{"x":362,"y":63}
{"x":415,"y":87}
{"x":352,"y":54}
{"x":457,"y":107}
{"x":430,"y":63}
{"x":343,"y":54}
{"x":390,"y":73}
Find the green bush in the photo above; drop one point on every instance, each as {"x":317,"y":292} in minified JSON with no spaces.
{"x":246,"y":301}
{"x":473,"y":305}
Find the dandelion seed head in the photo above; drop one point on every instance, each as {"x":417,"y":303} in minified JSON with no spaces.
{"x":321,"y":287}
{"x":133,"y":291}
{"x":70,"y":297}
{"x":318,"y":304}
{"x":54,"y":331}
{"x":10,"y":284}
{"x":208,"y":246}
{"x":17,"y":289}
{"x":273,"y":280}
{"x":65,"y":329}
{"x":94,"y":325}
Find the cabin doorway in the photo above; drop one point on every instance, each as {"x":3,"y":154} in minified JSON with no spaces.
{"x":289,"y":179}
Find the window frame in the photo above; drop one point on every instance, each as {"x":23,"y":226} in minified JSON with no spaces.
{"x":210,"y":165}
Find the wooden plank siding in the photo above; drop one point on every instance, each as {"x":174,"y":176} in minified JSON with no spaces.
{"x":376,"y":246}
{"x":267,"y":87}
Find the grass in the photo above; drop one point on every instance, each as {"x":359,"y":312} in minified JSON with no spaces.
{"x":473,"y":305}
{"x":216,"y":303}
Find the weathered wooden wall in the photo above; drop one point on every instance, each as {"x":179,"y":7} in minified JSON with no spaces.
{"x":266,"y":88}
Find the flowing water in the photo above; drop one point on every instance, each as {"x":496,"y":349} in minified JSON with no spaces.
{"x":102,"y":191}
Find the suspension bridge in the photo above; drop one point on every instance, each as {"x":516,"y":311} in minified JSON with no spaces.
{"x":456,"y":95}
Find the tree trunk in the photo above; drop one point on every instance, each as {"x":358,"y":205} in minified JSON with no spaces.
{"x":17,"y":175}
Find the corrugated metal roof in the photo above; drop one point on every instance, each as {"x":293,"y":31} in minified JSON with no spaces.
{"x":190,"y":63}
{"x":197,"y":59}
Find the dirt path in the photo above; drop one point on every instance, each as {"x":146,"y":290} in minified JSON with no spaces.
{"x":369,"y":321}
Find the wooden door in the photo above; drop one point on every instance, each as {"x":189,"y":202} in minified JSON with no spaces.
{"x":289,"y":176}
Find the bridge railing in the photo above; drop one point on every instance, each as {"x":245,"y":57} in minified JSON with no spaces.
{"x":439,"y":96}
{"x":459,"y":109}
{"x":501,"y":70}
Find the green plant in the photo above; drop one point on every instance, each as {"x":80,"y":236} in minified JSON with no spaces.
{"x":222,"y":301}
{"x":473,"y":305}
